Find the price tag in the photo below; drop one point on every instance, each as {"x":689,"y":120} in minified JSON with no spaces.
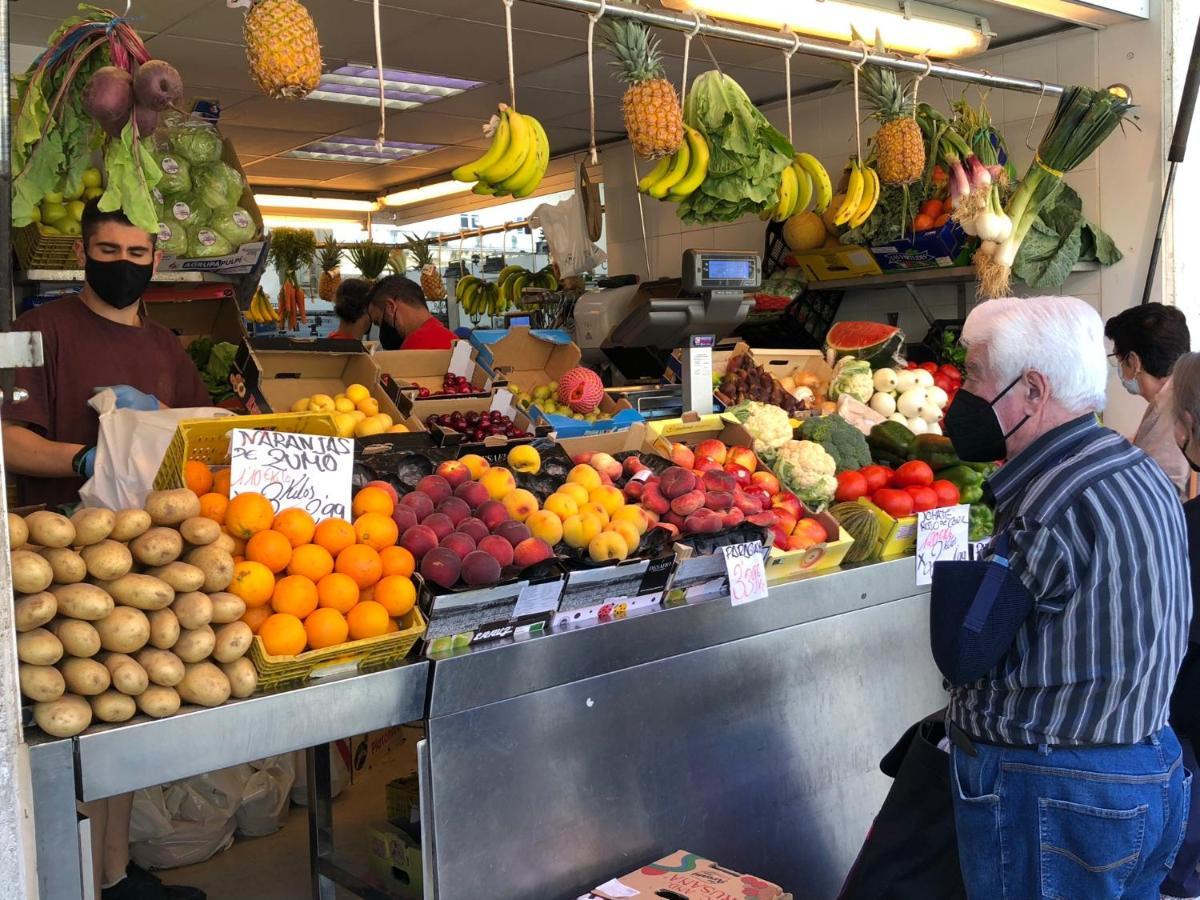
{"x":538,"y":598}
{"x":504,"y":402}
{"x":644,"y":475}
{"x":304,"y":470}
{"x":941,"y":535}
{"x":460,"y":360}
{"x":747,"y":574}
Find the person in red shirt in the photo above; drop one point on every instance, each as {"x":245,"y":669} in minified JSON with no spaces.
{"x":350,"y":304}
{"x":398,"y":302}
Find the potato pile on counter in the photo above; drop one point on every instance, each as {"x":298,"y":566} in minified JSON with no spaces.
{"x":121,"y":612}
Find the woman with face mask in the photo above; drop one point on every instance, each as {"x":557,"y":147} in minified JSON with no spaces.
{"x":1146,"y":341}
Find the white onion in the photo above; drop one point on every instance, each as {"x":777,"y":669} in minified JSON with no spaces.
{"x":924,"y":378}
{"x":911,"y":401}
{"x":929,"y":412}
{"x":937,"y":397}
{"x":917,"y":425}
{"x":885,"y":380}
{"x":884,"y":404}
{"x":906,"y":380}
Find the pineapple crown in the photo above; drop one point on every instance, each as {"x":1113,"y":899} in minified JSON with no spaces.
{"x":881,"y":89}
{"x":637,"y":52}
{"x":329,"y":257}
{"x":420,"y":250}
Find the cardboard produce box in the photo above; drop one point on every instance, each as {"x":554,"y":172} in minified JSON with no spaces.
{"x":613,"y":442}
{"x":395,"y":860}
{"x":690,"y":877}
{"x":400,"y":370}
{"x":935,"y":248}
{"x":420,"y":410}
{"x":833,"y":263}
{"x":897,"y":537}
{"x":196,"y":311}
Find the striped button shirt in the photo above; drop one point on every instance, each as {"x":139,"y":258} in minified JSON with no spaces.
{"x":1097,"y":535}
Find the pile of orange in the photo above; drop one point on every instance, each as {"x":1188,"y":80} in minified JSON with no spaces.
{"x":309,"y":585}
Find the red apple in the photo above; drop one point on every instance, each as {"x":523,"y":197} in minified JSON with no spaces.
{"x":386,"y":488}
{"x":706,"y":464}
{"x":712,"y":448}
{"x":811,"y":531}
{"x":766,"y":479}
{"x":788,"y":503}
{"x":801,"y":542}
{"x":606,"y":465}
{"x":743,"y":456}
{"x":682,"y":456}
{"x":781,"y":536}
{"x":633,"y":465}
{"x":582,"y":459}
{"x":741,"y":473}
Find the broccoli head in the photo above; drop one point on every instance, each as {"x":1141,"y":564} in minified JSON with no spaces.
{"x":845,"y":443}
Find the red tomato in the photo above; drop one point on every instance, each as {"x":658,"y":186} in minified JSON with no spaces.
{"x":941,"y":220}
{"x":928,"y":367}
{"x":924,"y":498}
{"x":877,"y":477}
{"x":896,"y":504}
{"x":914,"y":474}
{"x":947,"y":492}
{"x":931,"y":208}
{"x":923,"y":222}
{"x":943,"y":382}
{"x":939,"y":175}
{"x":951,"y":371}
{"x":910,"y":365}
{"x":851,"y":486}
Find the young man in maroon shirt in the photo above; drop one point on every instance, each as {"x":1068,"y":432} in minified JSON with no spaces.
{"x":398,"y":302}
{"x":97,"y":338}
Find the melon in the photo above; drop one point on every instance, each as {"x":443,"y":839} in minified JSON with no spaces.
{"x":877,"y":344}
{"x":860,"y":523}
{"x":804,"y":231}
{"x":580,"y":389}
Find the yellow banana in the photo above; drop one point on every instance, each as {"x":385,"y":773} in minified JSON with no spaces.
{"x":484,"y":189}
{"x":787,"y":195}
{"x":804,"y":189}
{"x":679,"y":168}
{"x":655,"y":175}
{"x":520,"y":145}
{"x":822,"y":188}
{"x":870,"y":198}
{"x":697,"y":166}
{"x":541,"y":154}
{"x":854,"y":193}
{"x":469,"y":172}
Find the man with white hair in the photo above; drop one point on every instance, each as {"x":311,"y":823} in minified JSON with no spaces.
{"x":1066,"y":777}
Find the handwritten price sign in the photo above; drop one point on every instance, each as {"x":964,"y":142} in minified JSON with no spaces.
{"x":941,"y":535}
{"x":305,"y":470}
{"x":747,"y":575}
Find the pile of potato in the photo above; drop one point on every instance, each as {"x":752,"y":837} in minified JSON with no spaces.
{"x":118,"y":612}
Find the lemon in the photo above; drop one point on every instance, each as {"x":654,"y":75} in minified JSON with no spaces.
{"x":398,"y":429}
{"x":92,"y":178}
{"x":356,"y":393}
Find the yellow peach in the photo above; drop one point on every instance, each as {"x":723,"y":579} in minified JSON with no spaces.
{"x":635,"y":516}
{"x":320,"y":403}
{"x":545,"y":525}
{"x":607,"y":546}
{"x":586,"y":476}
{"x":301,"y":405}
{"x":385,"y":420}
{"x":498,"y":482}
{"x":476,"y":464}
{"x":626,"y":530}
{"x":398,"y":429}
{"x":596,"y":510}
{"x":519,"y":503}
{"x":561,"y":505}
{"x":368,"y":427}
{"x":357,"y":414}
{"x":345,"y":424}
{"x":356,"y":393}
{"x":580,"y":529}
{"x":342,"y":404}
{"x":608,"y":497}
{"x":369,"y":406}
{"x":525,"y":458}
{"x":576,"y":492}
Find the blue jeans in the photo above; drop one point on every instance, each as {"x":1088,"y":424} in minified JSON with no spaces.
{"x":1069,"y":824}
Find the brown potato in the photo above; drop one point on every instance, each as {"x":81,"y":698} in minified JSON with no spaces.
{"x":79,"y":639}
{"x":18,"y":531}
{"x":225,"y":542}
{"x":199,"y":531}
{"x":129,"y":524}
{"x":35,"y":610}
{"x":141,"y":591}
{"x":83,"y":601}
{"x":64,"y":717}
{"x":172,"y":507}
{"x":226,"y":608}
{"x":127,"y":675}
{"x":193,"y":609}
{"x":195,"y":644}
{"x":161,"y":666}
{"x":158,"y":701}
{"x":205,"y":685}
{"x":41,"y":683}
{"x":216,"y":564}
{"x":67,"y":565}
{"x":85,"y":677}
{"x":164,"y":629}
{"x":31,"y":573}
{"x":124,"y":630}
{"x":39,"y":647}
{"x":92,"y":525}
{"x":49,"y":529}
{"x":243,"y":677}
{"x":233,"y":640}
{"x":179,"y":575}
{"x":107,"y":560}
{"x":113,"y":706}
{"x":157,"y":547}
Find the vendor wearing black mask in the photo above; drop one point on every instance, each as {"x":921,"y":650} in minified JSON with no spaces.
{"x":97,"y":338}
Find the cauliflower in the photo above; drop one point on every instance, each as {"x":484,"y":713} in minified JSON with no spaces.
{"x":843,"y":441}
{"x":854,"y":377}
{"x":807,"y":470}
{"x":768,"y":425}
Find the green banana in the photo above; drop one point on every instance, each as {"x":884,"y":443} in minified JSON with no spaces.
{"x":463,"y":284}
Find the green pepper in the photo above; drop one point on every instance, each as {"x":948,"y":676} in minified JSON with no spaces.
{"x":935,"y":449}
{"x":971,"y":495}
{"x":890,"y":441}
{"x":981,"y":522}
{"x":962,"y":477}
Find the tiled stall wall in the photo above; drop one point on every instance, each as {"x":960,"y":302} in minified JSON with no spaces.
{"x":1120,"y":186}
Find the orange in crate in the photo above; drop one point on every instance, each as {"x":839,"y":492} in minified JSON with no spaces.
{"x":213,"y":506}
{"x":311,"y":561}
{"x":326,"y":628}
{"x":253,"y":582}
{"x":294,"y":594}
{"x":396,"y":594}
{"x":361,"y":563}
{"x":367,"y":619}
{"x":221,"y":482}
{"x":197,"y":476}
{"x":335,"y":535}
{"x":337,"y":591}
{"x":296,"y":525}
{"x":270,"y":548}
{"x":376,"y":530}
{"x":248,"y":514}
{"x":283,"y":635}
{"x":254,"y":616}
{"x":372,"y":500}
{"x":397,"y":561}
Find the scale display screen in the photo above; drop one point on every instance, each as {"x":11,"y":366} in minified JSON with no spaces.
{"x":721,"y":270}
{"x":727,"y":269}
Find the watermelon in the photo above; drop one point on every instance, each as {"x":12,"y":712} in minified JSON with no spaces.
{"x":880,"y":345}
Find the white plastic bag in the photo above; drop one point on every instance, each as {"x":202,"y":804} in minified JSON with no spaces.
{"x":565,"y":227}
{"x":339,"y":776}
{"x":130,"y":450}
{"x":201,"y":813}
{"x":266,"y":796}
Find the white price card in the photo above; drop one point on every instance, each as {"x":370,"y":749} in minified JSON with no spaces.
{"x":538,"y":598}
{"x":941,"y":535}
{"x":461,"y":362}
{"x":747,"y":574}
{"x":305,"y":470}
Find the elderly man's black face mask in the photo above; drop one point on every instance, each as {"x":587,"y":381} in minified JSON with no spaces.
{"x":974,"y":429}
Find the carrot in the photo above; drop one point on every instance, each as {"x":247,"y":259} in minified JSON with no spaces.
{"x":300,"y":301}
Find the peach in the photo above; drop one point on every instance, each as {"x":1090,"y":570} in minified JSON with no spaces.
{"x":442,"y":566}
{"x":513,"y":532}
{"x":531,"y":551}
{"x":595,"y":509}
{"x":674,"y":519}
{"x":605,"y":465}
{"x":520,"y":504}
{"x":576,"y":492}
{"x":713,"y":449}
{"x":609,"y":497}
{"x":789,"y":503}
{"x":742,"y":456}
{"x":703,"y":521}
{"x":628,"y":531}
{"x":810,"y":529}
{"x":492,"y":513}
{"x":786,"y":521}
{"x":419,"y":503}
{"x":561,"y":505}
{"x":475,"y":464}
{"x":460,"y":543}
{"x":765,"y":519}
{"x":748,"y":505}
{"x":586,"y":477}
{"x":525,"y":458}
{"x":732,"y":518}
{"x":480,"y":568}
{"x":706,"y":464}
{"x":474,"y":528}
{"x":473,"y":492}
{"x":676,"y":482}
{"x":578,"y":530}
{"x":499,"y":548}
{"x":632,"y":515}
{"x":582,"y":459}
{"x":419,"y":540}
{"x":717,"y":480}
{"x":607,"y":546}
{"x":546,"y":525}
{"x":766,"y":479}
{"x":651,"y":517}
{"x":682,"y":456}
{"x":653,"y":499}
{"x":688,"y":503}
{"x":404,"y":517}
{"x":633,"y":465}
{"x":498,"y":482}
{"x":780,"y":537}
{"x":454,"y":472}
{"x":435,"y":487}
{"x":718,"y":500}
{"x":386,"y":488}
{"x":455,"y":508}
{"x":671,"y":530}
{"x":633,"y":491}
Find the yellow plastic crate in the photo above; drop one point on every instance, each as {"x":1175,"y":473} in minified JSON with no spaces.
{"x":368,"y":654}
{"x":38,"y":250}
{"x":208,"y":440}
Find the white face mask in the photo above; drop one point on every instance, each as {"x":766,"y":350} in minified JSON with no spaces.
{"x":1131,"y":385}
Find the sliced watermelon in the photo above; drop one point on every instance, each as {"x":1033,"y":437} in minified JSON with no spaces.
{"x":878,"y":344}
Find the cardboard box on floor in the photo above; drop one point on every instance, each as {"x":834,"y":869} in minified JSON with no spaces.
{"x":689,"y":877}
{"x":392,"y":748}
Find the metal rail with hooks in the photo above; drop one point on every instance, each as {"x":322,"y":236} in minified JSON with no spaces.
{"x":785,"y":41}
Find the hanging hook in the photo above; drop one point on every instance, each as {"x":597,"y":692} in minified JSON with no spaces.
{"x":128,"y":7}
{"x":787,"y":74}
{"x":1033,"y":121}
{"x":512,"y":78}
{"x":857,"y":111}
{"x":593,"y":18}
{"x":918,"y":78}
{"x":687,"y":52}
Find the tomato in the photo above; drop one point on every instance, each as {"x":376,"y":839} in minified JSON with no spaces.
{"x":943,"y":382}
{"x":851,"y":486}
{"x":951,"y":371}
{"x":877,"y":477}
{"x":941,"y":220}
{"x":931,"y":208}
{"x":924,"y":498}
{"x":928,"y":367}
{"x":923,"y":222}
{"x":947,"y":492}
{"x":910,"y":365}
{"x":939,"y":175}
{"x":914,"y":474}
{"x":896,"y":504}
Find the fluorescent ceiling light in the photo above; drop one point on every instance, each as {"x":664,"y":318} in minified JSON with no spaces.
{"x":1096,"y":13}
{"x":910,"y":27}
{"x":401,"y":90}
{"x":426,"y":192}
{"x":290,"y":201}
{"x":360,"y":150}
{"x":329,"y":224}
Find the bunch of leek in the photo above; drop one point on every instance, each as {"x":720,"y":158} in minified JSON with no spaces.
{"x":1082,"y":121}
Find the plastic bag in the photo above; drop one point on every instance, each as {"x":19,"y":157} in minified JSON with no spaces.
{"x":265,"y":798}
{"x":130,"y":450}
{"x":565,"y":227}
{"x":186,"y":822}
{"x":339,"y":775}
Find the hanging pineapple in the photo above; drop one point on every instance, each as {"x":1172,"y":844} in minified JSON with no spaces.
{"x":899,"y":144}
{"x":329,"y":259}
{"x":369,"y":258}
{"x":431,"y":279}
{"x":282,"y":49}
{"x":398,"y":261}
{"x":651,"y":107}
